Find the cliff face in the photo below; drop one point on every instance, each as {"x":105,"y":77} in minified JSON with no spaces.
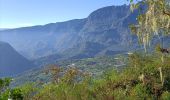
{"x":107,"y":27}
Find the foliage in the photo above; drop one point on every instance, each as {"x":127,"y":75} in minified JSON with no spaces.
{"x":146,"y":76}
{"x":139,"y":80}
{"x":166,"y":95}
{"x":6,"y":92}
{"x":4,"y":83}
{"x":96,"y":66}
{"x":154,"y":19}
{"x":16,"y":94}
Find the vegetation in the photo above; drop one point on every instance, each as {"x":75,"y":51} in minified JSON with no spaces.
{"x":141,"y":79}
{"x":96,"y":66}
{"x":154,"y":19}
{"x":146,"y":76}
{"x":6,"y":93}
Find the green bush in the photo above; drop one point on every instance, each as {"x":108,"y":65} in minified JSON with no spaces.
{"x":166,"y":96}
{"x":16,"y":94}
{"x":140,"y":80}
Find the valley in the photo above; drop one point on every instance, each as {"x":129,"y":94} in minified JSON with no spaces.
{"x":118,"y":52}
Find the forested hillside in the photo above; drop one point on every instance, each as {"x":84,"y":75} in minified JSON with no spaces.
{"x":135,"y":75}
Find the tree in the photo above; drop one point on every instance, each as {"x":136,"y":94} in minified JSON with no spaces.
{"x":153,"y":20}
{"x":4,"y":90}
{"x":4,"y":83}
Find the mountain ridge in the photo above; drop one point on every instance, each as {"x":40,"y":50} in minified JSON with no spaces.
{"x":11,"y":62}
{"x":104,"y":32}
{"x":106,"y":26}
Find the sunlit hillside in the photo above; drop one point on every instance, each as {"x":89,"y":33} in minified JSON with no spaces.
{"x":113,"y":50}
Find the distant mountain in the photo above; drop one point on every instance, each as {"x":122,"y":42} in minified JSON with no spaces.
{"x":11,"y":62}
{"x":3,"y":29}
{"x":106,"y":28}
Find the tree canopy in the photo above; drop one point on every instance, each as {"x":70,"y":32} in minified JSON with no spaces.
{"x":154,"y":19}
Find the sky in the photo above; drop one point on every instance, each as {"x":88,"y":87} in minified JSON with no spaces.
{"x":21,"y":13}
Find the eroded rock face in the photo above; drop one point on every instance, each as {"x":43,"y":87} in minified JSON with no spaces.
{"x":107,"y":26}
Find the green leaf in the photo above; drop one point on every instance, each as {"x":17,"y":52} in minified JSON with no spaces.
{"x":131,"y":1}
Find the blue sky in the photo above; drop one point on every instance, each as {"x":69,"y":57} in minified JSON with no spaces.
{"x":19,"y":13}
